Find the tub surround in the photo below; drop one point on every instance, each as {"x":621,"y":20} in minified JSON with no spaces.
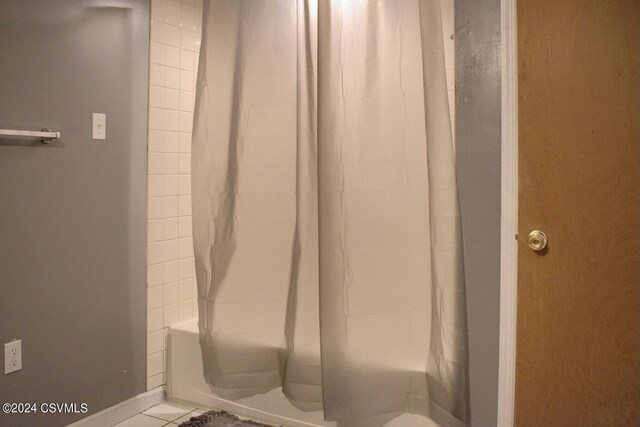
{"x":173,"y":61}
{"x":175,"y":40}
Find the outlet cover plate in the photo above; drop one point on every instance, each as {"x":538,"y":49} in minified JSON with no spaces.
{"x":12,"y":356}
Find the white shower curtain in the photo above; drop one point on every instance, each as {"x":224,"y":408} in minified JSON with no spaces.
{"x":325,"y":209}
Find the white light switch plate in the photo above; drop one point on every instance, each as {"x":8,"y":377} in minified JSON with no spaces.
{"x":12,"y":356}
{"x":99,"y":126}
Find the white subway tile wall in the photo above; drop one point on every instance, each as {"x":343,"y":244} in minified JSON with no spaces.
{"x":171,"y":289}
{"x":175,"y":41}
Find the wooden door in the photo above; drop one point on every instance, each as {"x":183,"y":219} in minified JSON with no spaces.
{"x":578,"y":351}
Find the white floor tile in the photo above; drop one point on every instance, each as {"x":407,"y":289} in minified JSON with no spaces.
{"x":141,"y":420}
{"x":190,"y":414}
{"x":169,"y":411}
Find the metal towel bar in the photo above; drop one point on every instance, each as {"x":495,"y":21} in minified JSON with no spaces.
{"x":45,"y":134}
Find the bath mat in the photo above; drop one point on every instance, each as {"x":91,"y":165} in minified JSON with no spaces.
{"x":220,"y":419}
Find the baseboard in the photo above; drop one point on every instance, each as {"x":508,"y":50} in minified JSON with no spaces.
{"x":123,"y":410}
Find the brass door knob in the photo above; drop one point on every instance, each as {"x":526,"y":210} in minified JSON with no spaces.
{"x":537,"y":240}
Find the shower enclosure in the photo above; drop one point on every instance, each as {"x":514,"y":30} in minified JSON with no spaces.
{"x":325,"y":210}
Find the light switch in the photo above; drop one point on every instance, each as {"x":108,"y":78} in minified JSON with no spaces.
{"x":99,"y":126}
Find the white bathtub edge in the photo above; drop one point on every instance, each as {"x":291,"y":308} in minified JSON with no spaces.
{"x":186,"y":383}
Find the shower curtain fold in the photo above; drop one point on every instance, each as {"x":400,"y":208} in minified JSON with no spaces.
{"x":325,"y":212}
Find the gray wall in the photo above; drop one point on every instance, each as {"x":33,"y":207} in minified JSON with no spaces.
{"x":478,"y":157}
{"x":73,"y":214}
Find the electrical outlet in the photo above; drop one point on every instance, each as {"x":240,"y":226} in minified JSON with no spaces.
{"x":12,"y":356}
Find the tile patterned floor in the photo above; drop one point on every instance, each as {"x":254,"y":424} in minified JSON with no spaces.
{"x":163,"y":414}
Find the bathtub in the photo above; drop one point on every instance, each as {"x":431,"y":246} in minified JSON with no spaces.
{"x":185,"y":382}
